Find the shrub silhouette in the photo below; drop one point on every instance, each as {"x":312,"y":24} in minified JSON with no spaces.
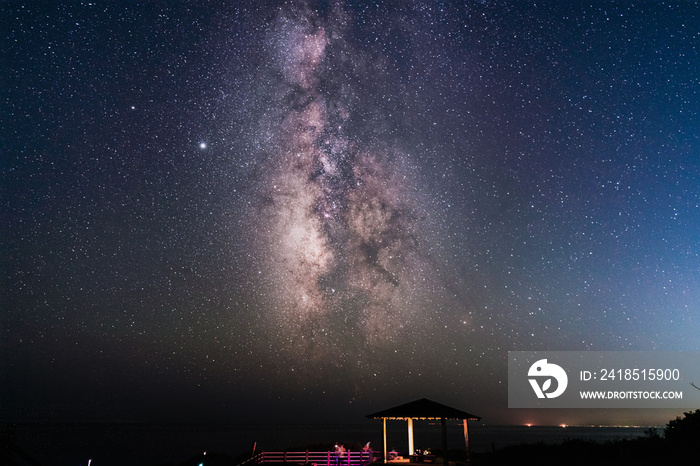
{"x":683,"y":432}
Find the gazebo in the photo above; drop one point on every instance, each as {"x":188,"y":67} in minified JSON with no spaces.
{"x":424,"y":409}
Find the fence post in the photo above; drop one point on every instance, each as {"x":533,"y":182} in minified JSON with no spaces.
{"x":307,"y":456}
{"x":329,"y":459}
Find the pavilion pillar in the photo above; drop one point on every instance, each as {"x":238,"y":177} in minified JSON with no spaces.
{"x":443,"y":422}
{"x":466,"y":437}
{"x":410,"y":436}
{"x":385,"y":451}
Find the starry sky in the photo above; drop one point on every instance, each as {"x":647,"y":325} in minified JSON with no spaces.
{"x":312,"y":211}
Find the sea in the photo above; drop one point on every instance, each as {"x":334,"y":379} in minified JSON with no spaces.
{"x":153,"y":444}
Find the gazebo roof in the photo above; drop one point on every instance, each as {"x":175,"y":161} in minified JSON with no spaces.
{"x":423,"y":409}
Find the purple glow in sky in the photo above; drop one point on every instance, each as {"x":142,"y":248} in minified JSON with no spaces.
{"x":258,"y":211}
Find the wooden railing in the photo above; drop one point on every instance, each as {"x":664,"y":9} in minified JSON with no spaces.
{"x":317,"y":458}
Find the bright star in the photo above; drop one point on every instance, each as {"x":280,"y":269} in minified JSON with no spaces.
{"x":202,"y":145}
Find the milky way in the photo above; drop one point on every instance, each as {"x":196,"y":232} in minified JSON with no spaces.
{"x":249,"y":206}
{"x":342,"y":229}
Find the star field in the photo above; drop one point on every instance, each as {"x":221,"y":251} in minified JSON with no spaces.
{"x":216,"y":211}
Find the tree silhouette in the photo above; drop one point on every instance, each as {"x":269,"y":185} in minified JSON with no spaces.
{"x":684,"y":431}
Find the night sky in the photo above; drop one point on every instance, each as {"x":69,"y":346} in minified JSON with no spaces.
{"x":311,"y":211}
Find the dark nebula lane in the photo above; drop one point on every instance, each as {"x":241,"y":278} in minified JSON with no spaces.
{"x":232,"y":210}
{"x":342,"y":225}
